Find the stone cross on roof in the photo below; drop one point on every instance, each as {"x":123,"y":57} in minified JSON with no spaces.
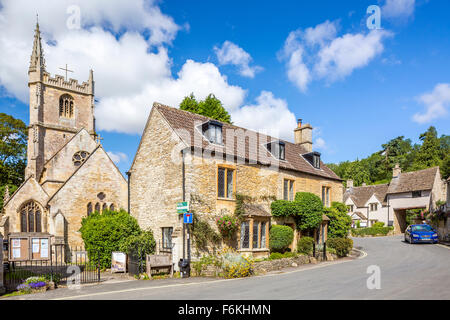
{"x":66,"y":70}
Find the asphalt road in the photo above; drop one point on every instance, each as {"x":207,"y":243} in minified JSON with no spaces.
{"x":406,"y":272}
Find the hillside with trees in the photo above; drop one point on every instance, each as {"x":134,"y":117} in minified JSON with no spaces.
{"x":431,"y":151}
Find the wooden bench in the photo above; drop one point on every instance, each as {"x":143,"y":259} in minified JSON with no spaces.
{"x":159,"y":261}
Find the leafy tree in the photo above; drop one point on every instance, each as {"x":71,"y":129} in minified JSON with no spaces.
{"x":210,"y":107}
{"x":13,"y":150}
{"x":429,"y":152}
{"x":144,"y":241}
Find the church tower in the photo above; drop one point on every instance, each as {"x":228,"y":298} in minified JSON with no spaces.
{"x":59,"y":108}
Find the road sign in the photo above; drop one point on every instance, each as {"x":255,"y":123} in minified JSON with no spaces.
{"x":188,"y":217}
{"x":182,"y":207}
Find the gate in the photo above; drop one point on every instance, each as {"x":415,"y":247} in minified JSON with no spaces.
{"x":56,"y":268}
{"x":136,"y":261}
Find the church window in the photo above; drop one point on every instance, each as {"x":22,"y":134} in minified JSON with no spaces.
{"x":66,"y":106}
{"x":89,"y":209}
{"x":97,"y":207}
{"x":79,"y":158}
{"x":105,"y":207}
{"x":30,"y":217}
{"x":101,"y":196}
{"x":111,"y":207}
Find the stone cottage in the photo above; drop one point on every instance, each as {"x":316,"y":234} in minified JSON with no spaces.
{"x":388,"y":203}
{"x":68,"y":175}
{"x":188,"y":157}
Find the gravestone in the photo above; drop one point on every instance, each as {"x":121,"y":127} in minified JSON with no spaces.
{"x":2,"y":287}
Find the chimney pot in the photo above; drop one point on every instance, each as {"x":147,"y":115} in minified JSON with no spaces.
{"x":299,"y":123}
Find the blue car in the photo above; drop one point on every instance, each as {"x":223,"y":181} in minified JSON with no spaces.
{"x":418,"y":233}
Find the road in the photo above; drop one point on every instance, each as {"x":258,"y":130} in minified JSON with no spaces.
{"x":407,"y":272}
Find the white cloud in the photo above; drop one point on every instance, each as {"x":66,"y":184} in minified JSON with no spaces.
{"x":318,"y":53}
{"x":117,"y":157}
{"x":232,"y":54}
{"x":436,"y":103}
{"x":320,"y":144}
{"x":269,"y":115}
{"x":398,"y":9}
{"x":131,"y":71}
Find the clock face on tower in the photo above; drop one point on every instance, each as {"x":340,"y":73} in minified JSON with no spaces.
{"x":79,"y":157}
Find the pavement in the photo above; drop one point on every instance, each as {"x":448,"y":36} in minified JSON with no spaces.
{"x":406,"y":271}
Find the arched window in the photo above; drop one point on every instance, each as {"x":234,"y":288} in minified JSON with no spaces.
{"x":111,"y":207}
{"x":66,"y":106}
{"x":97,"y":207}
{"x":89,"y":209}
{"x":31,"y":217}
{"x":105,"y":207}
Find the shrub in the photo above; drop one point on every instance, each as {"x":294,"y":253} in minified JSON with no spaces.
{"x":227,"y":225}
{"x":342,"y":246}
{"x":305,"y":245}
{"x":277,"y":255}
{"x":235,"y":265}
{"x":378,"y":225}
{"x":358,"y":224}
{"x":309,"y":209}
{"x":340,"y":221}
{"x":280,"y":238}
{"x":283,"y":208}
{"x":372,"y":231}
{"x":103,"y":232}
{"x":144,"y":241}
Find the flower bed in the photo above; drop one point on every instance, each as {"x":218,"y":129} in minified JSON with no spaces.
{"x":33,"y":285}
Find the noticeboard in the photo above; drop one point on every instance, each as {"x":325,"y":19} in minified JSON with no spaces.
{"x":118,"y":262}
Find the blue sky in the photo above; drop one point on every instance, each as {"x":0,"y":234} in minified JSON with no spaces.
{"x":363,"y":86}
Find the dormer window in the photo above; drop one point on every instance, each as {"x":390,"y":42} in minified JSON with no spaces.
{"x":212,"y":130}
{"x":277,"y":149}
{"x":313,"y":158}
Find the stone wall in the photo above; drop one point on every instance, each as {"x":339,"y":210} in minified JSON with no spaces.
{"x":156,"y":181}
{"x":98,"y":174}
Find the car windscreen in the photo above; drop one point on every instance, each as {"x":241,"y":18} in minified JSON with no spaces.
{"x":422,"y":228}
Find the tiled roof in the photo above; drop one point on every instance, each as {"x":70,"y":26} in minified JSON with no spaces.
{"x":186,"y":123}
{"x":255,"y":210}
{"x":359,"y":214}
{"x":360,"y":195}
{"x":413,"y":181}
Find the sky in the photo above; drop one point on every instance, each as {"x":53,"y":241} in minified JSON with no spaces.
{"x":358,"y":83}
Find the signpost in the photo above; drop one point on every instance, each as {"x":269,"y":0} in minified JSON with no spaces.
{"x":182,"y":207}
{"x":188,"y":219}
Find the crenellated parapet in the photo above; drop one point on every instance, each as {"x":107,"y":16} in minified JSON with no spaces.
{"x":71,"y":84}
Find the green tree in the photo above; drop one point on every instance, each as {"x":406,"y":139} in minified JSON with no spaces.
{"x":429,"y":153}
{"x":13,"y":150}
{"x":210,"y":107}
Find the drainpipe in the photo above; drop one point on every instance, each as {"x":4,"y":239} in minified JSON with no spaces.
{"x":128,"y":173}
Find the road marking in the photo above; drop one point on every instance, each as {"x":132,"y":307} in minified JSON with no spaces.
{"x":323,"y":265}
{"x":443,"y":246}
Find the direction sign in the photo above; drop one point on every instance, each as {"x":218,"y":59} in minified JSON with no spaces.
{"x":182,"y":207}
{"x":188,"y":217}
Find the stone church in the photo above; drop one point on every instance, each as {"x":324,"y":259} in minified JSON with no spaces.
{"x":68,"y":175}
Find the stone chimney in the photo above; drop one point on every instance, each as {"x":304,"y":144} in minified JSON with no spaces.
{"x":396,"y":171}
{"x":303,"y":135}
{"x":349,"y":184}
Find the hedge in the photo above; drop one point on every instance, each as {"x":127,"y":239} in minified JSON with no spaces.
{"x":343,"y":246}
{"x":103,"y":232}
{"x":340,"y":222}
{"x":283,"y":208}
{"x":310,"y":210}
{"x":305,"y":245}
{"x":280,"y":238}
{"x":372,"y":231}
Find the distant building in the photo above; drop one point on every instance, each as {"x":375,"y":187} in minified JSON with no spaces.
{"x":388,"y":202}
